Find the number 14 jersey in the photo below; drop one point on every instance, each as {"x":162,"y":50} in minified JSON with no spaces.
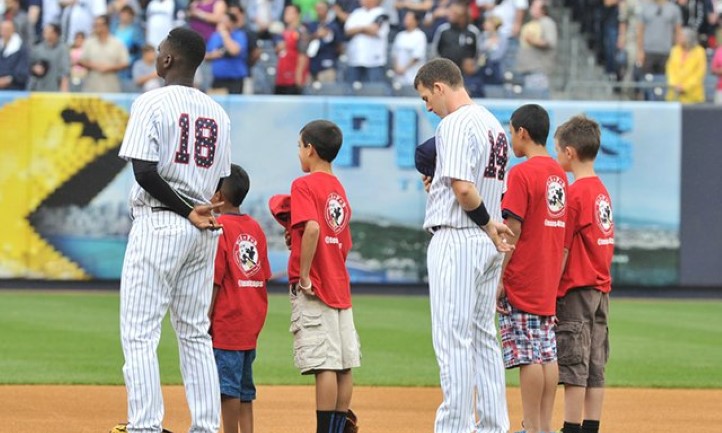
{"x":471,"y":145}
{"x":188,"y":134}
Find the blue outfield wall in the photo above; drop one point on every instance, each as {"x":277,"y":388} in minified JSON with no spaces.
{"x":72,"y":220}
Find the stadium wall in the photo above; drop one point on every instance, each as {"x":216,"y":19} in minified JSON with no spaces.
{"x":64,"y":191}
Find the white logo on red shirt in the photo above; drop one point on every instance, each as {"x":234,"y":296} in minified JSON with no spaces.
{"x":336,"y":212}
{"x":245,"y":254}
{"x":556,"y":197}
{"x":603,"y":214}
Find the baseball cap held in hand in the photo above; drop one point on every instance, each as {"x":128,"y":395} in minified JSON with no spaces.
{"x":280,"y":206}
{"x":425,"y":157}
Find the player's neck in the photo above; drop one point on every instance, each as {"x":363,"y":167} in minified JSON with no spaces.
{"x":458,"y":99}
{"x":320,"y":166}
{"x":582,"y":169}
{"x":533,"y":149}
{"x":178,"y":79}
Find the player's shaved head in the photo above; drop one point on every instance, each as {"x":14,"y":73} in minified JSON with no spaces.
{"x":324,"y":136}
{"x":534,"y":119}
{"x":439,"y":70}
{"x":187,"y":47}
{"x":582,"y":134}
{"x":234,"y":188}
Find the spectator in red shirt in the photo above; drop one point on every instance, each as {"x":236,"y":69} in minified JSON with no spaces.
{"x":292,"y":69}
{"x":583,"y":296}
{"x":325,"y":342}
{"x":534,"y":208}
{"x":239,"y":305}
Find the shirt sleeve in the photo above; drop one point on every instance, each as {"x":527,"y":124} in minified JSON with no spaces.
{"x":303,"y":208}
{"x":141,"y":134}
{"x":214,"y":42}
{"x":516,"y":198}
{"x":220,"y":264}
{"x":457,"y":153}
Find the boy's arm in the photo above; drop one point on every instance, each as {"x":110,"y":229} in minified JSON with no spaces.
{"x":515,"y":227}
{"x":564,"y":259}
{"x":216,"y":287}
{"x":309,"y":242}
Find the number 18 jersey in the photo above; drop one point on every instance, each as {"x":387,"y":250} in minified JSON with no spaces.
{"x":471,"y":145}
{"x":188,"y":134}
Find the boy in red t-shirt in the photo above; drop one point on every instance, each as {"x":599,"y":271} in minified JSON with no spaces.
{"x":325,"y":340}
{"x":583,"y":296}
{"x":239,"y":305}
{"x":534,"y":208}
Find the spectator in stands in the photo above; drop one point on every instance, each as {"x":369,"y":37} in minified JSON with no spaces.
{"x":291,"y":46}
{"x":254,"y":51}
{"x":493,"y":50}
{"x":116,"y":6}
{"x":610,"y":12}
{"x":227,"y":50}
{"x":420,"y":7}
{"x":700,"y":16}
{"x":128,"y":31}
{"x":457,"y":39}
{"x":262,"y":14}
{"x":308,"y":9}
{"x":686,"y":69}
{"x":511,"y":13}
{"x":34,"y":9}
{"x":78,"y":15}
{"x":204,"y":16}
{"x":50,"y":63}
{"x":536,"y":58}
{"x":659,"y":23}
{"x":325,"y":44}
{"x":716,"y":68}
{"x":77,"y":71}
{"x":13,"y":58}
{"x":145,"y":76}
{"x":409,"y":50}
{"x":104,"y":56}
{"x":342,"y":9}
{"x":438,"y":15}
{"x":368,"y":30}
{"x":473,"y":77}
{"x":159,"y":20}
{"x":19,"y":18}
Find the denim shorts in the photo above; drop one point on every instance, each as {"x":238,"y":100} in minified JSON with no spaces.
{"x":235,"y":373}
{"x":526,"y":338}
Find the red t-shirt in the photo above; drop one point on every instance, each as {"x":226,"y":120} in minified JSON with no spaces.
{"x":288,"y":57}
{"x":320,"y":197}
{"x":536,"y":196}
{"x":241,"y":271}
{"x":589,"y":237}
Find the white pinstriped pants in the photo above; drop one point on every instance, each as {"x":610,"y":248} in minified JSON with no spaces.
{"x":168,"y":265}
{"x":464,"y":270}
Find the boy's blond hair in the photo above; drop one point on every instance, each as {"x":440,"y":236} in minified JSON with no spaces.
{"x":582,"y":134}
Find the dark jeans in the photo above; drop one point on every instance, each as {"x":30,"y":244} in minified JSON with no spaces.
{"x":233,"y":85}
{"x":287,"y":90}
{"x":655,"y":63}
{"x":365,"y":75}
{"x":611,"y":34}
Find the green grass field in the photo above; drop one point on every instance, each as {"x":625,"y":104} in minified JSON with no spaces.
{"x":73,"y":338}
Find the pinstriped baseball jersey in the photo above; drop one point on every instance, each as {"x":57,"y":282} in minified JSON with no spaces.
{"x":200,"y":130}
{"x":471,"y":145}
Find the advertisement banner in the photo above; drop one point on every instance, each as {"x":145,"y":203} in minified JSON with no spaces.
{"x":65,"y":192}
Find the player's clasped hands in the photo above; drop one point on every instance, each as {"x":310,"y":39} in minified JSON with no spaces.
{"x":202,"y":216}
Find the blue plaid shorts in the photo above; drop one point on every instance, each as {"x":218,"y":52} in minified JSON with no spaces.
{"x":526,"y":338}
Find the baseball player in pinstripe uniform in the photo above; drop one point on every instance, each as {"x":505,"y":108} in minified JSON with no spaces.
{"x":464,"y":262}
{"x":178,"y":141}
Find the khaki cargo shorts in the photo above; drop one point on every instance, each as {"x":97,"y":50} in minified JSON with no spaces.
{"x":324,"y":338}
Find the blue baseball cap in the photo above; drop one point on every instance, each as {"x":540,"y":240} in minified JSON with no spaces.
{"x":425,"y":157}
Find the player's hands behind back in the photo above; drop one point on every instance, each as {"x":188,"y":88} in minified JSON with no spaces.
{"x":202,"y":216}
{"x":498,"y":233}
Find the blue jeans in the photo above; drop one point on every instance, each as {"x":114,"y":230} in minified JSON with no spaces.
{"x":365,"y":75}
{"x":611,"y":34}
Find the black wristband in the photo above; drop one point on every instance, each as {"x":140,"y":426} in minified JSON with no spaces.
{"x":479,"y":215}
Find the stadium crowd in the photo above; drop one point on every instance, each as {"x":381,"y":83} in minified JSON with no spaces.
{"x":371,"y":47}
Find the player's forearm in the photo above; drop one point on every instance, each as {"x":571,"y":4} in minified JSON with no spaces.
{"x":309,"y":243}
{"x":147,"y":176}
{"x":466,"y":194}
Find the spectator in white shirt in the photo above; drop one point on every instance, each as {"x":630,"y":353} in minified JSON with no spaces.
{"x":368,"y":30}
{"x":409,"y":50}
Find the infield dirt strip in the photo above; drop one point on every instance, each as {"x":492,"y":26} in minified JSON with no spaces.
{"x":289,"y":409}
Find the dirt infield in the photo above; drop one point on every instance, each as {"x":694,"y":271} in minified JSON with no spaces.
{"x":286,"y":409}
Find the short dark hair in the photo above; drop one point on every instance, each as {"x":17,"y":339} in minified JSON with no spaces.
{"x":234,"y":188}
{"x":128,"y":9}
{"x":104,"y":18}
{"x":326,"y":137}
{"x":439,"y":70}
{"x":55,"y":27}
{"x":232,"y":17}
{"x":188,"y":44}
{"x":535,"y":119}
{"x":582,"y":134}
